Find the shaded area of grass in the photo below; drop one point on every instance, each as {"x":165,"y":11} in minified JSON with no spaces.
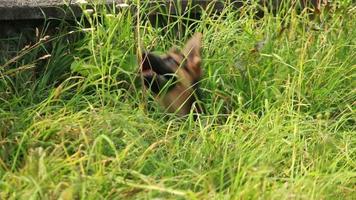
{"x":280,"y":122}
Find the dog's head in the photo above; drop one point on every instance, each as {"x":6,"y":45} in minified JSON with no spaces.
{"x":173,"y":78}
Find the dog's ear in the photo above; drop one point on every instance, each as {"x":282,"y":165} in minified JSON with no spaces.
{"x":192,"y":52}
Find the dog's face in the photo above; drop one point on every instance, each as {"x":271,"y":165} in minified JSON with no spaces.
{"x":173,"y":78}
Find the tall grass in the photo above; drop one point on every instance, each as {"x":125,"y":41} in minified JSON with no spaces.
{"x":280,"y":120}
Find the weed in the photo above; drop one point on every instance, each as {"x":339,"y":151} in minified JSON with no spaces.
{"x":281,"y":122}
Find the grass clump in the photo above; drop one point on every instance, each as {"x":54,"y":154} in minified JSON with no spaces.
{"x":280,"y":123}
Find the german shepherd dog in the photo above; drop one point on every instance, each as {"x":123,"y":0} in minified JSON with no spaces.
{"x":173,"y":78}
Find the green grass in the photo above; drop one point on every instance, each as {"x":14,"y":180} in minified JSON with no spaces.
{"x":281,"y":121}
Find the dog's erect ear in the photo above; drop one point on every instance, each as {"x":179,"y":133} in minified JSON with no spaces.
{"x":193,"y":55}
{"x":154,"y":63}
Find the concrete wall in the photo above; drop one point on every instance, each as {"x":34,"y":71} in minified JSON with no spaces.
{"x":40,"y":9}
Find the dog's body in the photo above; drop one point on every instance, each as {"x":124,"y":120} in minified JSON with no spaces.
{"x":173,"y":78}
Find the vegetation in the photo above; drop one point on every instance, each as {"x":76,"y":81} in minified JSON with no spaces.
{"x":76,"y":124}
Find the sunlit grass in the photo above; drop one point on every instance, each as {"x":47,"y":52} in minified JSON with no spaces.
{"x":280,"y":120}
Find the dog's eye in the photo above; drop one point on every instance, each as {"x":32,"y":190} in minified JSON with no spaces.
{"x":171,"y":63}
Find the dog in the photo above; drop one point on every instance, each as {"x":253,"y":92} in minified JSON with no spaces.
{"x":173,"y":78}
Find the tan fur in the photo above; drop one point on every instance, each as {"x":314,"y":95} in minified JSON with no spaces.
{"x":177,"y":100}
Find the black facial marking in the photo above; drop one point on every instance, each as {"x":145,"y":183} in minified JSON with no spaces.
{"x":163,"y":73}
{"x":155,"y":82}
{"x":155,"y":63}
